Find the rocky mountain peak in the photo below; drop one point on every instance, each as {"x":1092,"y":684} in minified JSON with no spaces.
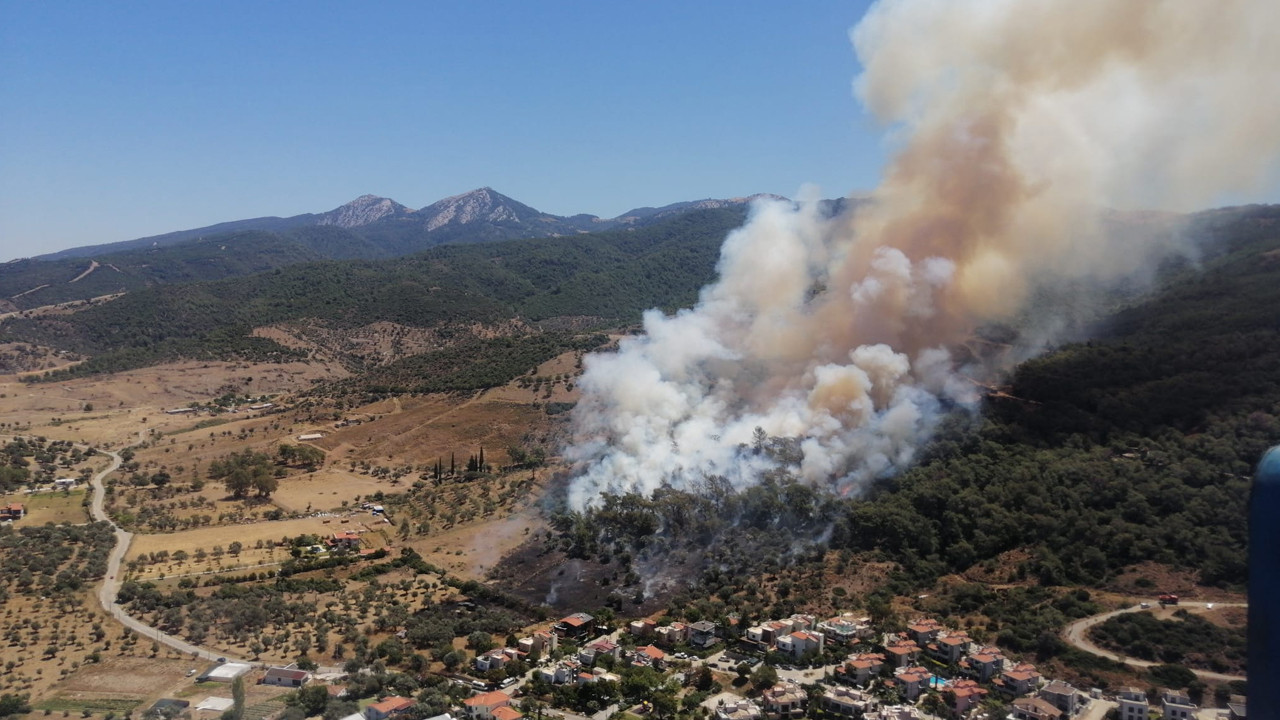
{"x":479,"y":205}
{"x":362,"y":211}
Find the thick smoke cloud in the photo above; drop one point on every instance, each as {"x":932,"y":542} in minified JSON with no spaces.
{"x":1014,"y":122}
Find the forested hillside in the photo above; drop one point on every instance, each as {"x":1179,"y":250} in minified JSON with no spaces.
{"x":609,"y":276}
{"x":1136,"y":446}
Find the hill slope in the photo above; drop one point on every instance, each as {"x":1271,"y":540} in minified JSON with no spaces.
{"x":610,"y":276}
{"x":367,"y":228}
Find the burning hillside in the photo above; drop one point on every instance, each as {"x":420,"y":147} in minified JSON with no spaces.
{"x":1015,"y":123}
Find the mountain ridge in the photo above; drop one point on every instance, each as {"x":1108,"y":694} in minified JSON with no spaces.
{"x":386,"y":219}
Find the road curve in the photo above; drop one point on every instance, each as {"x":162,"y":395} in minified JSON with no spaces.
{"x":111,"y":584}
{"x":1077,"y":633}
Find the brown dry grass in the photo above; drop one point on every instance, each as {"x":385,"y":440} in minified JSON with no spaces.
{"x":472,"y":551}
{"x":55,"y":506}
{"x":130,"y":402}
{"x":410,"y":431}
{"x":247,"y":534}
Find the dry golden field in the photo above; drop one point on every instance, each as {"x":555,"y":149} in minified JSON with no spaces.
{"x":388,"y":447}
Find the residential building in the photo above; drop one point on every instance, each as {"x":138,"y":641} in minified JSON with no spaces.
{"x":967,"y":694}
{"x":845,"y":629}
{"x":1019,"y":680}
{"x":894,"y":712}
{"x":603,"y":647}
{"x":859,"y":668}
{"x":785,"y":700}
{"x":915,"y":680}
{"x":540,"y":642}
{"x":740,"y":709}
{"x":506,"y":712}
{"x":801,"y":643}
{"x":561,"y":673}
{"x":983,"y":664}
{"x":673,"y":634}
{"x":1132,"y":704}
{"x":702,"y":634}
{"x":847,"y":702}
{"x":576,"y":625}
{"x":641,"y":628}
{"x":482,"y":706}
{"x":1175,"y":705}
{"x":901,"y":651}
{"x":344,"y":539}
{"x":924,"y":630}
{"x":12,"y":511}
{"x":651,"y":656}
{"x":949,"y":647}
{"x":1033,"y":708}
{"x":287,"y":676}
{"x":388,"y":707}
{"x":495,"y":659}
{"x":1062,"y":696}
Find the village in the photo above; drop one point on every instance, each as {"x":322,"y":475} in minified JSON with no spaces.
{"x":796,"y":667}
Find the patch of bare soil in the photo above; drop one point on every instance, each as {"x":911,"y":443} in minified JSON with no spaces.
{"x":1152,"y":579}
{"x":473,"y":551}
{"x":377,"y":343}
{"x":1001,"y":570}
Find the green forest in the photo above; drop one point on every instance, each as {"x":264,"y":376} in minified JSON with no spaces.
{"x":1138,"y":445}
{"x":611,"y":276}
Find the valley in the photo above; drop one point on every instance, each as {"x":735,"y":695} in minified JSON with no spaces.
{"x":403,"y":510}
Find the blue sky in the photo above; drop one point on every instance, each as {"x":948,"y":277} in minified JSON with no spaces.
{"x":125,"y":119}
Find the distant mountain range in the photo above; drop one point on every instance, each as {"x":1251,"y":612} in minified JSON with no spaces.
{"x":394,"y":229}
{"x":367,"y":228}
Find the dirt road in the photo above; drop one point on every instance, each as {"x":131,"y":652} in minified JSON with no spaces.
{"x":1077,"y":633}
{"x":111,"y":585}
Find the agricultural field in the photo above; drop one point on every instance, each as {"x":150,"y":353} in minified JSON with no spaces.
{"x":50,"y":506}
{"x":192,"y":534}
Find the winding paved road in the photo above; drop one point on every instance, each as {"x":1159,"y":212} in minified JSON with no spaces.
{"x":1077,"y":633}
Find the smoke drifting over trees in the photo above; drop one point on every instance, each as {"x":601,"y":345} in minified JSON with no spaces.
{"x":1015,"y":123}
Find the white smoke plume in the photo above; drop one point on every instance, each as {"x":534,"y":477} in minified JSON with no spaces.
{"x":1015,"y":123}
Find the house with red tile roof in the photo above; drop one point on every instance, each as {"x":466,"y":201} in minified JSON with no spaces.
{"x":801,"y":643}
{"x":949,"y":647}
{"x":506,"y":712}
{"x":576,"y":625}
{"x":924,"y":630}
{"x":900,"y":650}
{"x":859,"y":668}
{"x":388,"y":707}
{"x":673,"y":634}
{"x":965,"y":695}
{"x":983,"y":664}
{"x":1019,"y":680}
{"x":12,"y":511}
{"x":343,"y":538}
{"x":915,"y":680}
{"x":650,"y":656}
{"x":482,"y":706}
